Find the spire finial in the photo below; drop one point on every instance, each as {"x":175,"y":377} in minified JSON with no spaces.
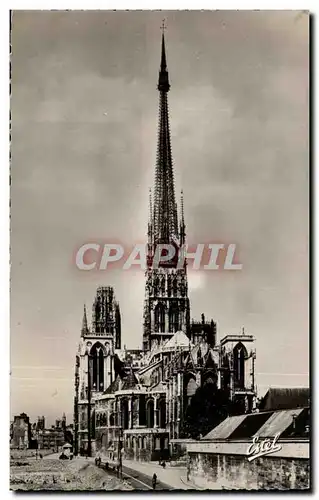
{"x":84,"y":329}
{"x":163,"y":83}
{"x":182,"y":220}
{"x":163,"y":27}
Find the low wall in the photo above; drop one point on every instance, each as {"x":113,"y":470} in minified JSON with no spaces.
{"x":218,"y":465}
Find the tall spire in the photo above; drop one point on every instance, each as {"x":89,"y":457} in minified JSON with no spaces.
{"x":182,"y":221}
{"x":163,"y":82}
{"x":84,"y":329}
{"x":166,"y":307}
{"x":165,"y":210}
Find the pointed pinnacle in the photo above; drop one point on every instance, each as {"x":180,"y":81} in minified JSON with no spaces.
{"x":84,"y":328}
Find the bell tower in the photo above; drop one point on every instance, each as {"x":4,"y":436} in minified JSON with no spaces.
{"x":94,"y":368}
{"x":166,"y":308}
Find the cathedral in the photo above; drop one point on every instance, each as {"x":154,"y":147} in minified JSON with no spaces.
{"x":142,"y":404}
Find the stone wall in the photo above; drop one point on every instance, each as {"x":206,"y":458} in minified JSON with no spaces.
{"x":226,"y":470}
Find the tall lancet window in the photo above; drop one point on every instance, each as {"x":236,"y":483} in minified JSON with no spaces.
{"x":160,"y":318}
{"x":240,"y":354}
{"x":174,"y":319}
{"x":97,"y":357}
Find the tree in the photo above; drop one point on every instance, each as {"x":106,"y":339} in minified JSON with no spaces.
{"x":208,"y":407}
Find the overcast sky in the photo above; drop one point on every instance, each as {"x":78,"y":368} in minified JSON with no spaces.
{"x":84,"y":127}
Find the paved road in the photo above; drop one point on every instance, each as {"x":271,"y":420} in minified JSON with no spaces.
{"x":138,"y":480}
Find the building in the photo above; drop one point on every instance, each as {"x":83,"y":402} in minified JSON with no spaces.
{"x":40,"y":425}
{"x":220,"y":459}
{"x":285,"y":398}
{"x":96,"y":363}
{"x":53,"y":437}
{"x":21,"y":432}
{"x":182,"y":382}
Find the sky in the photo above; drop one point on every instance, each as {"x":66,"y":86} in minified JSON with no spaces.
{"x":84,"y":113}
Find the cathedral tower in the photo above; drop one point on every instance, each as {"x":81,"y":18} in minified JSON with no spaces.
{"x":166,"y":309}
{"x":94,"y":369}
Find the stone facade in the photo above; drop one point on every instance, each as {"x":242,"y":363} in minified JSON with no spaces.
{"x":233,"y":471}
{"x":143,"y":411}
{"x":95,"y":368}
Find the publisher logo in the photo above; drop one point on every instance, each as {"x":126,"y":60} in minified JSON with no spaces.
{"x":264,"y":447}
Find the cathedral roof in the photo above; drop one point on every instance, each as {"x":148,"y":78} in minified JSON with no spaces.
{"x":179,"y":339}
{"x":208,"y":357}
{"x":130,"y":382}
{"x":115,"y":386}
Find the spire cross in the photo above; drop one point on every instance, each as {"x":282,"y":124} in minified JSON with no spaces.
{"x":163,"y":27}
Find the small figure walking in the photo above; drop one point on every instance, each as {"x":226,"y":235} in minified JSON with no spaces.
{"x":154,"y":479}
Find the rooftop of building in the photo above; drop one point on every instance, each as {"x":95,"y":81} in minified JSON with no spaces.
{"x":283,"y":398}
{"x":292,"y":423}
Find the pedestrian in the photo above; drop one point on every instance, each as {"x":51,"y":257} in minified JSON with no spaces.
{"x":154,"y":479}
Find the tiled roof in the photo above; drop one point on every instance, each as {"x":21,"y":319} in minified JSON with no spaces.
{"x":225,"y":428}
{"x":278,"y":422}
{"x":278,"y":398}
{"x":263,"y":424}
{"x":250,"y":425}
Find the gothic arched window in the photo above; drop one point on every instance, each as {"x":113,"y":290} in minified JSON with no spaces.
{"x":156,"y":285}
{"x":163,"y":285}
{"x":124,"y":412}
{"x":174,"y":319}
{"x":240,"y":354}
{"x":97,"y":357}
{"x":175,"y":286}
{"x":190,"y":389}
{"x":150,"y":413}
{"x":162,"y":413}
{"x":142,"y":410}
{"x":99,"y":320}
{"x":160,"y":318}
{"x":112,"y":419}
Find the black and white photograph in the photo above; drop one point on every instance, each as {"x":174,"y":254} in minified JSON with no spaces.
{"x":159,"y":250}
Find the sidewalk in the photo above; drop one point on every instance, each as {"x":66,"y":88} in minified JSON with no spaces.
{"x":172,"y":476}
